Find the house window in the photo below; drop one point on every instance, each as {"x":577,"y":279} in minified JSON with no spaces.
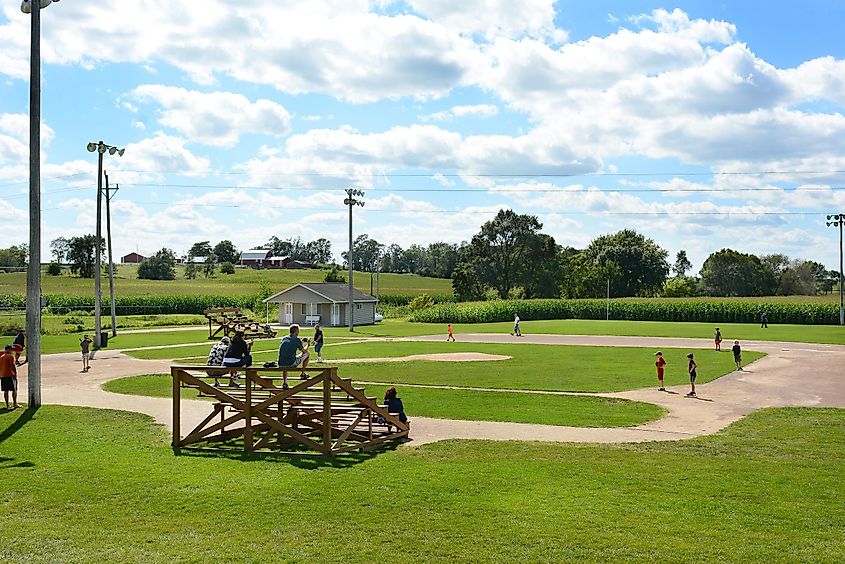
{"x":319,"y":309}
{"x":357,"y":306}
{"x":304,"y":309}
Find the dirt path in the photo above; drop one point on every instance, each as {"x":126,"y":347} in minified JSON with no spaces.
{"x":793,"y":374}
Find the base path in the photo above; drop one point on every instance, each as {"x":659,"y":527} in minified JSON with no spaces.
{"x":793,"y":374}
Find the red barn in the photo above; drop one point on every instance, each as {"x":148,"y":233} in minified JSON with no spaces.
{"x":132,"y":258}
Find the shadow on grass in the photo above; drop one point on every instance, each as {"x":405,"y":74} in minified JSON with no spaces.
{"x":304,"y":459}
{"x":22,"y":420}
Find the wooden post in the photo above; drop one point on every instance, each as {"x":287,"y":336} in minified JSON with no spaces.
{"x":248,"y":411}
{"x":177,"y":399}
{"x":327,"y":411}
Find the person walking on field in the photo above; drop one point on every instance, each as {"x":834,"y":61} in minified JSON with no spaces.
{"x":764,"y":320}
{"x":318,"y":342}
{"x":737,"y":350}
{"x":451,"y":337}
{"x":692,"y":368}
{"x":85,"y":344}
{"x":9,"y":377}
{"x":660,"y":363}
{"x":18,"y":346}
{"x":516,"y":330}
{"x":718,"y":339}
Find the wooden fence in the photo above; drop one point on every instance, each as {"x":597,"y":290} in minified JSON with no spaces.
{"x":324,"y":413}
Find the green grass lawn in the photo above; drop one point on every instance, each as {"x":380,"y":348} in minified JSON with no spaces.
{"x":533,"y":367}
{"x":576,"y":411}
{"x":83,"y":485}
{"x":245,"y":281}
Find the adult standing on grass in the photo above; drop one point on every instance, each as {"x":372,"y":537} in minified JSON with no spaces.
{"x":692,"y":368}
{"x":717,"y":338}
{"x":85,"y":344}
{"x":516,"y":330}
{"x":737,"y":350}
{"x":450,"y":337}
{"x":318,"y":342}
{"x":660,"y":363}
{"x":9,"y":376}
{"x":19,"y":345}
{"x":764,"y":320}
{"x":237,"y":355}
{"x":288,"y":349}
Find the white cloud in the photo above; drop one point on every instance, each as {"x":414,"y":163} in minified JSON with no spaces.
{"x":477,"y":110}
{"x":14,"y":137}
{"x":160,"y":154}
{"x":494,"y":18}
{"x":215,"y":118}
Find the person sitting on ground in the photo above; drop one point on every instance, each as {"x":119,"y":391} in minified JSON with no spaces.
{"x":737,"y":350}
{"x":9,"y":377}
{"x":288,"y":349}
{"x":237,"y":355}
{"x":85,"y":344}
{"x":215,"y":358}
{"x":19,"y":345}
{"x":394,"y":405}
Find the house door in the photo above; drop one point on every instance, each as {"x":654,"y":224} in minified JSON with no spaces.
{"x":335,"y":314}
{"x":288,"y":313}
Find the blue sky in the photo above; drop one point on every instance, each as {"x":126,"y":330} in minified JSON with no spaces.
{"x":702,"y":125}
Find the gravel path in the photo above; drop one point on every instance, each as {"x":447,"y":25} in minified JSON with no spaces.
{"x":793,"y":374}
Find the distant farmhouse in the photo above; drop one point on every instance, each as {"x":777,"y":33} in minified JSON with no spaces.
{"x":132,"y":258}
{"x":263,"y":258}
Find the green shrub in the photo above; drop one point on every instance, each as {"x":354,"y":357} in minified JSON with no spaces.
{"x":422,"y":301}
{"x":54,"y":269}
{"x":227,"y":268}
{"x":700,"y":310}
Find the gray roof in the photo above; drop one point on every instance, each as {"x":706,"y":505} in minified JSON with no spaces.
{"x":331,"y":292}
{"x":255,"y":254}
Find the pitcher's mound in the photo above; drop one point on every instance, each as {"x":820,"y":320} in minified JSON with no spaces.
{"x":437,"y":357}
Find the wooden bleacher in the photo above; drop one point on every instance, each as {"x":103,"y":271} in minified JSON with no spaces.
{"x":230,"y":320}
{"x":324,"y":413}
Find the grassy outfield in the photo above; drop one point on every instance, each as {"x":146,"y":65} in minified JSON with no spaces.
{"x":245,"y":281}
{"x":575,"y":411}
{"x":86,"y":485}
{"x":532,"y":367}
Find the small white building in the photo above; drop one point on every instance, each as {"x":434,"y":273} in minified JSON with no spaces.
{"x":323,"y":303}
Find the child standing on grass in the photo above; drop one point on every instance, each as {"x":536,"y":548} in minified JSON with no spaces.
{"x":9,"y":376}
{"x":692,"y":367}
{"x":660,"y":363}
{"x":18,"y":346}
{"x":318,"y":342}
{"x":717,"y":338}
{"x":737,"y":350}
{"x":85,"y":345}
{"x":451,"y":337}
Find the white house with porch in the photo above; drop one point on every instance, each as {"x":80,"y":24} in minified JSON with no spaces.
{"x":324,"y":303}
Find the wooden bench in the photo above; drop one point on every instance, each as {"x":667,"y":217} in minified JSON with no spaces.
{"x":312,"y":319}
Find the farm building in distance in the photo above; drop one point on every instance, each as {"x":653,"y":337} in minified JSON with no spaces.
{"x":262,"y":258}
{"x":132,"y":258}
{"x":323,"y":303}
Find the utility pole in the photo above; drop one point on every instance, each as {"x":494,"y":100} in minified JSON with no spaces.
{"x":607,"y":312}
{"x":838,"y":220}
{"x":109,"y":195}
{"x":351,"y":201}
{"x":101,"y":149}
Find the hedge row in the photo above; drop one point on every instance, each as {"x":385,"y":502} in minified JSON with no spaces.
{"x":705,"y":311}
{"x":403,"y":300}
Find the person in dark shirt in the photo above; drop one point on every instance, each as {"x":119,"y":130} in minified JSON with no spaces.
{"x":717,"y":338}
{"x":737,"y":350}
{"x":692,"y":367}
{"x":394,"y":404}
{"x":18,"y":346}
{"x":318,"y":342}
{"x":237,"y":355}
{"x":288,"y":349}
{"x":764,"y":320}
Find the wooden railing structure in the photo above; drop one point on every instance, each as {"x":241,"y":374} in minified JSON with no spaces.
{"x":230,"y":320}
{"x":324,"y":413}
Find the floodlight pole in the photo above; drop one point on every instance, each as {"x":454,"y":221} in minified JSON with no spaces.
{"x":351,"y":201}
{"x":33,"y":271}
{"x":98,"y":289}
{"x":109,"y":195}
{"x":838,"y":220}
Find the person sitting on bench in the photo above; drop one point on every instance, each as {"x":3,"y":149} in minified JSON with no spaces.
{"x":215,"y":358}
{"x":394,"y":405}
{"x":237,"y":355}
{"x":288,"y":349}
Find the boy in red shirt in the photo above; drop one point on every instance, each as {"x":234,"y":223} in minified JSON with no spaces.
{"x":660,"y":363}
{"x":9,"y":376}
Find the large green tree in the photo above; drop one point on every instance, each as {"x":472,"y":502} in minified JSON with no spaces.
{"x":14,"y":256}
{"x":731,"y":273}
{"x":642,"y":262}
{"x":81,"y":252}
{"x":366,"y":253}
{"x":160,"y":266}
{"x":226,"y":252}
{"x":200,"y":249}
